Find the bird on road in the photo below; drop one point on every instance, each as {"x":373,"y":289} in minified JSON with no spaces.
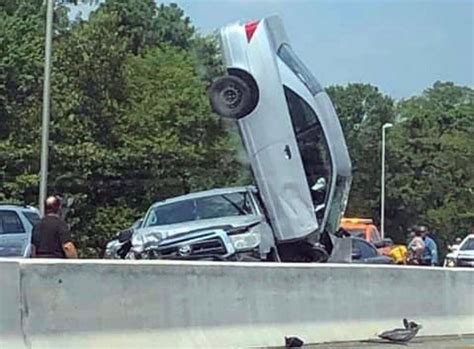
{"x":293,"y":342}
{"x":404,"y":335}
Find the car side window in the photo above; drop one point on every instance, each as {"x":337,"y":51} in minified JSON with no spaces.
{"x":10,"y":223}
{"x":374,"y":234}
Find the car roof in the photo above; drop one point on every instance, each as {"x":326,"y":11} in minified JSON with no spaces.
{"x":205,"y":193}
{"x":17,"y":207}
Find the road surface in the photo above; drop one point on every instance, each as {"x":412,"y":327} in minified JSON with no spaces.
{"x":448,"y":342}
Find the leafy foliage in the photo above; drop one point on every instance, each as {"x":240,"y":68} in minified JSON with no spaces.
{"x":430,"y":157}
{"x":130,"y":120}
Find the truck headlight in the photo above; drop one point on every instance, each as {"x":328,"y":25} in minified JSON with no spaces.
{"x":137,"y":243}
{"x":141,"y":242}
{"x":245,"y":241}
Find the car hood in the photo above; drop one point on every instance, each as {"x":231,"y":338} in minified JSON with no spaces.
{"x":468,"y":254}
{"x":173,"y":229}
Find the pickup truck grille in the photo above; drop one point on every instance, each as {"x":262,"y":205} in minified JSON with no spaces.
{"x":209,"y":247}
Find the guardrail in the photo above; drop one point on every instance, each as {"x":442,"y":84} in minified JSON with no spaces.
{"x":151,"y":304}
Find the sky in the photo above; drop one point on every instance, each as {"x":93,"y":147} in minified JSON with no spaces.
{"x":400,"y":46}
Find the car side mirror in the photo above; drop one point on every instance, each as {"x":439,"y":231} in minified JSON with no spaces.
{"x":125,"y":235}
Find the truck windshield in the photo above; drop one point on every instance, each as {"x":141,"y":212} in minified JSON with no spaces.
{"x":313,"y":148}
{"x":209,"y":207}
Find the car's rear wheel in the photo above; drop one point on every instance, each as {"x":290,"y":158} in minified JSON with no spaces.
{"x":231,"y":97}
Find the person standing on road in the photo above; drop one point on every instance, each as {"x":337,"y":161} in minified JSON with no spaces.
{"x":416,"y":248}
{"x":51,"y":237}
{"x":430,"y":254}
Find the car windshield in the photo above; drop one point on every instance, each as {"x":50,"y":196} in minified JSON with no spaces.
{"x":209,"y":207}
{"x":313,"y":148}
{"x":468,"y":245}
{"x":287,"y":55}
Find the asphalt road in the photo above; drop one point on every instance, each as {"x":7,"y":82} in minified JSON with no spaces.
{"x":448,"y":342}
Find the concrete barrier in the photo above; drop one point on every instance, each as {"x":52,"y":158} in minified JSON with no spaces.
{"x":115,"y":304}
{"x":11,"y":311}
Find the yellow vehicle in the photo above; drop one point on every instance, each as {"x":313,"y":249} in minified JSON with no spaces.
{"x":365,"y":228}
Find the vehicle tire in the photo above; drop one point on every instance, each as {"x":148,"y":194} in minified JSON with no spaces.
{"x":232,"y":97}
{"x":303,"y":252}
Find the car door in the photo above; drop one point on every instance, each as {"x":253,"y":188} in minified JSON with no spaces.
{"x":13,"y":234}
{"x":30,"y":218}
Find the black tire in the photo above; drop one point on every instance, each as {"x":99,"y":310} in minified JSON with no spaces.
{"x":303,"y":252}
{"x":232,"y":97}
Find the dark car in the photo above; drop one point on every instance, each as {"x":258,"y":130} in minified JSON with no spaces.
{"x":365,"y":252}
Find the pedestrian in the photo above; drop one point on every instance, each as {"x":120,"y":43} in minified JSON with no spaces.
{"x":430,"y":254}
{"x":51,"y":237}
{"x":416,"y":248}
{"x":455,"y":245}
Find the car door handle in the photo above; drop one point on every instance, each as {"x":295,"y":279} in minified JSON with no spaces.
{"x":287,"y":152}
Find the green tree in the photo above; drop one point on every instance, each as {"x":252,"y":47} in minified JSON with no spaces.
{"x":130,"y":120}
{"x":362,"y":110}
{"x":431,"y":162}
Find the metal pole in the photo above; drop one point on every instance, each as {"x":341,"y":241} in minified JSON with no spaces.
{"x":46,"y":103}
{"x":382,"y":183}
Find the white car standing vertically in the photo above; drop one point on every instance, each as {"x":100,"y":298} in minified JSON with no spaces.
{"x":291,"y":133}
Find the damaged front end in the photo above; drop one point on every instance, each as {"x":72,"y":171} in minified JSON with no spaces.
{"x":220,"y":244}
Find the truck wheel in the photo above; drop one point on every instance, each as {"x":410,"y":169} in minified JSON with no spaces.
{"x":231,"y":97}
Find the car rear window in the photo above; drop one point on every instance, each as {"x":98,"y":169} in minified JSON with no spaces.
{"x":32,"y":217}
{"x":10,"y":223}
{"x":287,"y":55}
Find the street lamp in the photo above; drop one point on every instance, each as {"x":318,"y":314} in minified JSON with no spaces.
{"x":382,"y":182}
{"x":46,"y":103}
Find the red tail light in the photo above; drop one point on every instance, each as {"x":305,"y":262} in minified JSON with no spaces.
{"x":250,"y":28}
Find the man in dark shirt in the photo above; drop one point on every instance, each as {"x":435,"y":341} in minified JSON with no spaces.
{"x":51,"y":237}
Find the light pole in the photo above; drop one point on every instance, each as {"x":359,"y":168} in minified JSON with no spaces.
{"x":382,"y":182}
{"x":43,"y":189}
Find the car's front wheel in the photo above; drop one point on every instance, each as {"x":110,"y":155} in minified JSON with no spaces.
{"x":231,"y":97}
